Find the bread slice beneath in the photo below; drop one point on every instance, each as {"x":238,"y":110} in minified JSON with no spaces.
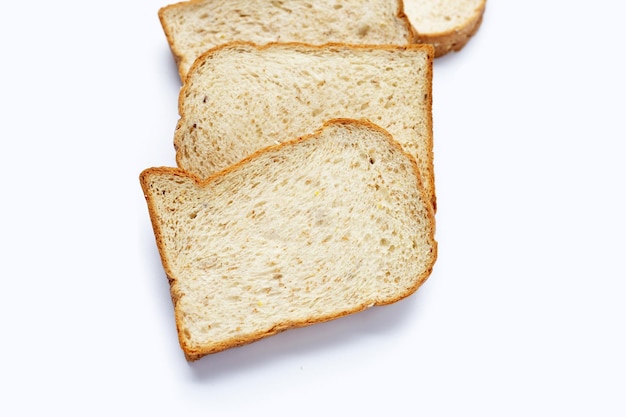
{"x":447,"y":24}
{"x":193,"y":27}
{"x":298,"y":233}
{"x":241,"y":97}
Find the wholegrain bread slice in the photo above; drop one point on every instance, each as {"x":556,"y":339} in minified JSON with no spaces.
{"x":447,"y":24}
{"x":297,"y":233}
{"x":193,"y":27}
{"x":241,"y":97}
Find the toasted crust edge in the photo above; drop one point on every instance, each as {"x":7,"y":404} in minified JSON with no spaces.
{"x":169,"y":37}
{"x":193,"y":353}
{"x":455,"y":39}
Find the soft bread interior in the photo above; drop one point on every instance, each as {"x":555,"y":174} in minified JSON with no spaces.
{"x":193,"y":27}
{"x":240,"y":97}
{"x":298,"y":233}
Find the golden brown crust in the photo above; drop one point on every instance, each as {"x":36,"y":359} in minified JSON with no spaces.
{"x":402,"y":16}
{"x":455,"y":39}
{"x":170,"y":38}
{"x":429,"y":48}
{"x":193,"y":353}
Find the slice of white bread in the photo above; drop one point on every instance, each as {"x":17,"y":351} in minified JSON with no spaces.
{"x":298,"y":233}
{"x":241,"y":97}
{"x":193,"y":27}
{"x":447,"y":24}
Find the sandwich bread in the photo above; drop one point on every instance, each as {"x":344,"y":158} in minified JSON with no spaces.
{"x":298,"y":233}
{"x":193,"y":27}
{"x":241,"y":97}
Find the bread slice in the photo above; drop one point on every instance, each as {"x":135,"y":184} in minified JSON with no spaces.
{"x":193,"y":27}
{"x":241,"y":97}
{"x":298,"y":233}
{"x":447,"y":24}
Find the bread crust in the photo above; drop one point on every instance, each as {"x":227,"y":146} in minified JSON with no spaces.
{"x":193,"y":353}
{"x":169,"y":37}
{"x":414,"y":37}
{"x":454,"y":39}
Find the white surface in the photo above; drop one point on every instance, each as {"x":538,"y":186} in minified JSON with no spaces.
{"x":524,"y":313}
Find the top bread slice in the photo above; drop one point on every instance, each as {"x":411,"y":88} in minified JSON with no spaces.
{"x":298,"y":233}
{"x":447,"y":24}
{"x":193,"y":27}
{"x":241,"y":97}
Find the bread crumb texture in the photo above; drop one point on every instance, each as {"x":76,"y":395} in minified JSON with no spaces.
{"x":298,"y":233}
{"x":240,"y":97}
{"x":193,"y":27}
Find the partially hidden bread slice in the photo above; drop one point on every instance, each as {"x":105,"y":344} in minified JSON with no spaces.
{"x":193,"y":27}
{"x":447,"y":24}
{"x":298,"y":233}
{"x":241,"y":97}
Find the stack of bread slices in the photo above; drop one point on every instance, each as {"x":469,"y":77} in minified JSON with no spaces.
{"x":304,"y":189}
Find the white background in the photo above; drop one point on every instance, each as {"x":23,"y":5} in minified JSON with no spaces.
{"x":524,"y":313}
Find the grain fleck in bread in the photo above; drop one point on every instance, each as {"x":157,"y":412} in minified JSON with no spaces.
{"x":193,"y":27}
{"x":241,"y":97}
{"x":298,"y":233}
{"x":447,"y":24}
